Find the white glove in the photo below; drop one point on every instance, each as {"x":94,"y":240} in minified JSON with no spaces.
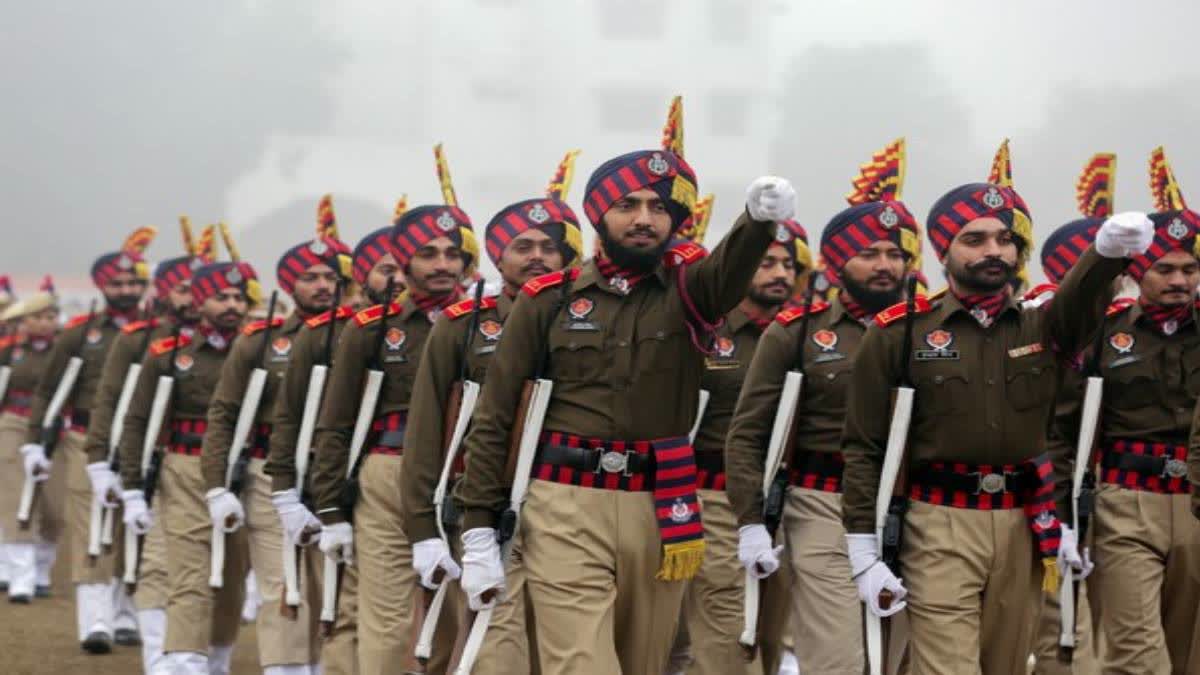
{"x":431,"y":555}
{"x":1124,"y":235}
{"x":771,"y":198}
{"x":337,"y":542}
{"x":137,"y":516}
{"x":756,"y":552}
{"x":1068,"y":554}
{"x":300,"y":526}
{"x":37,"y":467}
{"x":225,"y":509}
{"x":106,"y":484}
{"x":872,"y":576}
{"x":481,"y":567}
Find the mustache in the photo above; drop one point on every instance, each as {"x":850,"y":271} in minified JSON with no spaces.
{"x":990,"y":264}
{"x":535,"y":267}
{"x":1177,"y":289}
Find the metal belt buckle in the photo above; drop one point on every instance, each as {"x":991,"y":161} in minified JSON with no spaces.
{"x":612,"y":461}
{"x":991,"y":483}
{"x":1175,"y":468}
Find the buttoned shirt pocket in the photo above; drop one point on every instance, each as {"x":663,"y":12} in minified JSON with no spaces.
{"x":1030,"y":380}
{"x":942,"y":387}
{"x":659,"y":342}
{"x":1133,"y":383}
{"x":826,"y":385}
{"x":1191,"y":369}
{"x":576,"y":355}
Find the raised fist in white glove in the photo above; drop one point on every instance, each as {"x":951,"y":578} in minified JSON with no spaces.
{"x":1124,"y":235}
{"x":225,"y":509}
{"x":771,"y":198}
{"x":106,"y":485}
{"x":337,"y":542}
{"x":136,"y":515}
{"x":482,"y":570}
{"x":37,"y":467}
{"x":873,"y":577}
{"x":431,"y":555}
{"x":1069,"y":555}
{"x":756,"y":552}
{"x":300,"y":526}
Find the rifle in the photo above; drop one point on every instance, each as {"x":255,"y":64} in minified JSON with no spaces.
{"x":5,"y":376}
{"x":362,"y":427}
{"x":460,"y":404}
{"x":308,"y":421}
{"x":151,"y":464}
{"x":531,"y":412}
{"x":235,"y":470}
{"x":775,"y":482}
{"x":891,"y":500}
{"x":52,"y":423}
{"x":1083,"y":487}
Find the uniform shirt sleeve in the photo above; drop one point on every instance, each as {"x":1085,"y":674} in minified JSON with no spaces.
{"x":1193,"y":459}
{"x":753,"y":418}
{"x":64,"y":348}
{"x":481,"y":493}
{"x":289,"y":412}
{"x":335,"y":425}
{"x":224,"y":408}
{"x":868,"y":418}
{"x":133,"y":434}
{"x":719,"y":282}
{"x":423,"y":452}
{"x":1078,"y":307}
{"x":112,"y":380}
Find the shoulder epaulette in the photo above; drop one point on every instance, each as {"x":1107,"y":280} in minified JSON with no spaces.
{"x":684,"y":253}
{"x":1036,"y":291}
{"x":787,"y":316}
{"x":1119,"y":305}
{"x":77,"y":320}
{"x":164,"y":345}
{"x":257,"y":326}
{"x":468,"y":306}
{"x":899,"y":310}
{"x":538,"y":284}
{"x":375,"y":313}
{"x":321,"y":319}
{"x":138,"y":326}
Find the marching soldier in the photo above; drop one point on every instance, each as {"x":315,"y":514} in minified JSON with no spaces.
{"x":435,"y":250}
{"x":122,"y":277}
{"x":26,"y":356}
{"x":980,"y":490}
{"x":173,"y":310}
{"x":524,"y":240}
{"x":1147,"y":548}
{"x":372,"y":267}
{"x":202,"y":625}
{"x":612,"y":525}
{"x":309,"y":273}
{"x":867,"y":248}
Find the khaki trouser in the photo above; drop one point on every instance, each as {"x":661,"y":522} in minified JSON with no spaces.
{"x":70,"y":455}
{"x":590,"y":557}
{"x":973,"y":581}
{"x":388,"y":589}
{"x":827,"y":614}
{"x":48,"y":511}
{"x":339,"y":651}
{"x":510,"y":645}
{"x":280,"y":640}
{"x":713,"y":604}
{"x":1147,"y":581}
{"x":1046,"y":641}
{"x":197,"y":616}
{"x":153,"y":585}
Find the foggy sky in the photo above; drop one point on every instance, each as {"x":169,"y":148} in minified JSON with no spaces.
{"x":121,"y":113}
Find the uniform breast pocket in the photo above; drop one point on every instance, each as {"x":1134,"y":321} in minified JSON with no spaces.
{"x":827,"y":386}
{"x":661,"y":347}
{"x":942,"y":388}
{"x":1191,"y":369}
{"x":1030,"y":380}
{"x":1133,"y":385}
{"x":576,"y":355}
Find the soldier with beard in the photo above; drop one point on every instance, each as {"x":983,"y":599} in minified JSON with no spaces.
{"x":867,"y":249}
{"x":981,"y":533}
{"x":122,"y":277}
{"x":611,"y":522}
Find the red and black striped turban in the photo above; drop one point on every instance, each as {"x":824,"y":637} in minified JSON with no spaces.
{"x":859,"y":226}
{"x":321,"y":251}
{"x":551,"y":216}
{"x":213,"y":278}
{"x":110,"y":265}
{"x":174,"y":271}
{"x":1063,"y":247}
{"x":369,"y":251}
{"x":662,"y":171}
{"x":421,"y":225}
{"x":1174,"y":230}
{"x":973,"y":201}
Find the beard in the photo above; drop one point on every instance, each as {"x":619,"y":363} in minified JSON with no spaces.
{"x":313,"y":308}
{"x":632,"y":259}
{"x":763,"y":295}
{"x":873,"y":300}
{"x":980,"y":276}
{"x":123,"y":303}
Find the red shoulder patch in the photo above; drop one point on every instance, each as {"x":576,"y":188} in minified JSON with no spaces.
{"x":321,"y":319}
{"x":77,"y":320}
{"x":138,"y":326}
{"x":900,"y":310}
{"x":684,"y":253}
{"x":538,"y":284}
{"x":1033,"y":293}
{"x":1121,"y":304}
{"x":372,"y":314}
{"x":787,"y":316}
{"x":165,"y":345}
{"x":257,"y":326}
{"x":468,"y":306}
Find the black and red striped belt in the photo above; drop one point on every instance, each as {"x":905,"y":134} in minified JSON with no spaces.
{"x":187,"y":437}
{"x":18,"y":402}
{"x":817,"y":471}
{"x":1140,"y":465}
{"x":387,"y":434}
{"x":595,"y":463}
{"x":972,"y":486}
{"x":710,"y":471}
{"x":76,"y":420}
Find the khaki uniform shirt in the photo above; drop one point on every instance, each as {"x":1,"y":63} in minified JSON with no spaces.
{"x":27,"y":360}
